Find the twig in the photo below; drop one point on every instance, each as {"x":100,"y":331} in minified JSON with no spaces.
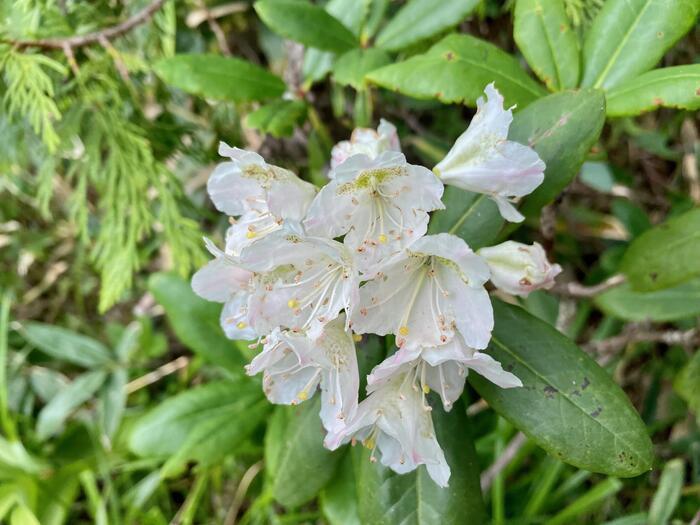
{"x":243,"y":486}
{"x":636,"y":333}
{"x":92,"y":38}
{"x":502,"y":462}
{"x":574,"y":289}
{"x":158,"y":374}
{"x":202,"y":15}
{"x":215,"y":28}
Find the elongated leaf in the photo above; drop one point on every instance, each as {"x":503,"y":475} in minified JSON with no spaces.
{"x":666,"y":255}
{"x":219,"y":435}
{"x":339,"y":499}
{"x":66,"y":345}
{"x":113,"y":397}
{"x":544,"y":35}
{"x":386,"y":498}
{"x":568,"y":404}
{"x":55,"y":413}
{"x":306,"y":23}
{"x":164,"y":430}
{"x":669,"y":304}
{"x":471,"y":216}
{"x":670,"y":87}
{"x":687,"y":381}
{"x":221,"y":78}
{"x":421,"y":19}
{"x":351,"y":68}
{"x":628,"y":37}
{"x":668,"y":493}
{"x":457,"y":69}
{"x":278,"y":118}
{"x":22,"y":515}
{"x":195,"y":321}
{"x":562,"y":128}
{"x":298,"y":466}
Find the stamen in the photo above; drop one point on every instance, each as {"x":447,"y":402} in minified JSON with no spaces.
{"x":241,"y":325}
{"x":293,"y":304}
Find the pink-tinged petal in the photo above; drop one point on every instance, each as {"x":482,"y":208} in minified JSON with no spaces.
{"x":492,"y":370}
{"x":366,"y":142}
{"x":474,"y":269}
{"x":447,"y":379}
{"x":507,"y":210}
{"x":289,"y":197}
{"x":329,"y":214}
{"x":234,"y":318}
{"x":219,"y":279}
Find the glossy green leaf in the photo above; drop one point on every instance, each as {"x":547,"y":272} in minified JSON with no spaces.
{"x":220,"y":78}
{"x":219,"y":435}
{"x":339,"y":500}
{"x":666,"y":255}
{"x":544,"y":35}
{"x":298,"y":466}
{"x":457,"y":69}
{"x":306,"y":23}
{"x":669,"y":304}
{"x":568,"y":405}
{"x":628,"y":37}
{"x":562,"y":128}
{"x":671,"y":87}
{"x":66,"y":345}
{"x":668,"y":493}
{"x":195,"y":321}
{"x":687,"y":381}
{"x":278,"y":118}
{"x":421,"y":19}
{"x":472,"y":216}
{"x":386,"y":498}
{"x":350,"y":68}
{"x":164,"y":430}
{"x":22,"y":515}
{"x":55,"y":413}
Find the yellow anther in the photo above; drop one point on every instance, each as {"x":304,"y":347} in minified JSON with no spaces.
{"x":426,"y":389}
{"x":251,"y":235}
{"x":303,"y":395}
{"x":369,"y":443}
{"x":241,"y":325}
{"x":436,"y":172}
{"x":356,"y":337}
{"x":403,"y":331}
{"x":292,"y":303}
{"x":382,"y":239}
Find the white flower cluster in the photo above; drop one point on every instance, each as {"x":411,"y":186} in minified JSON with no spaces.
{"x":286,"y":280}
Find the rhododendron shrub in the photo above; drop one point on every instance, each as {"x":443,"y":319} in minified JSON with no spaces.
{"x":305,"y":273}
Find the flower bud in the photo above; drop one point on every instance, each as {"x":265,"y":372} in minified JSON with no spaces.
{"x":368,"y":142}
{"x":519,"y":269}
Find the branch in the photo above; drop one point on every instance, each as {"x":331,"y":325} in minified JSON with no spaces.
{"x":574,"y":289}
{"x":636,"y":333}
{"x":92,"y":38}
{"x":503,"y":460}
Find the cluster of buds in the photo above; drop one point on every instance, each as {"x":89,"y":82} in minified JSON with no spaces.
{"x":307,"y":272}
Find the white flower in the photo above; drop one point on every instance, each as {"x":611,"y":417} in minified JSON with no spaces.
{"x":263,"y":195}
{"x":223,"y":280}
{"x":312,"y":280}
{"x":380,"y":205}
{"x":294,"y":365}
{"x":433,"y":289}
{"x":519,"y":269}
{"x":482,"y":160}
{"x":444,"y":368}
{"x":365,"y":141}
{"x":395,"y":419}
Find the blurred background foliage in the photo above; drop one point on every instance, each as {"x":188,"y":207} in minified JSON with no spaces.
{"x":120,"y":399}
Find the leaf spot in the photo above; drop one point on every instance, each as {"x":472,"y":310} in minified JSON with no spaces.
{"x":596,"y":412}
{"x":549,"y":391}
{"x":586,"y":383}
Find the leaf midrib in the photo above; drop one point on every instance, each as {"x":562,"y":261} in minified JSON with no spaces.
{"x":466,"y":214}
{"x":564,"y":396}
{"x":480,"y":65}
{"x":617,"y":93}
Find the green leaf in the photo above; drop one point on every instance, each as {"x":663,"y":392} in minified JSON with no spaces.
{"x":13,"y":456}
{"x":195,"y":321}
{"x":628,"y":37}
{"x":350,"y":69}
{"x":561,"y":128}
{"x":55,"y":413}
{"x":339,"y":500}
{"x":668,"y":494}
{"x":66,"y":345}
{"x":386,"y":498}
{"x":666,"y":255}
{"x":670,"y":304}
{"x":568,"y":405}
{"x":306,"y":23}
{"x":113,"y":396}
{"x":671,"y":87}
{"x":278,"y":118}
{"x":472,"y":216}
{"x":421,"y":19}
{"x":687,"y":381}
{"x":298,"y":466}
{"x":220,"y":78}
{"x":590,"y":501}
{"x":21,"y":515}
{"x":457,"y":69}
{"x":219,"y":435}
{"x":544,"y":35}
{"x":164,"y":430}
